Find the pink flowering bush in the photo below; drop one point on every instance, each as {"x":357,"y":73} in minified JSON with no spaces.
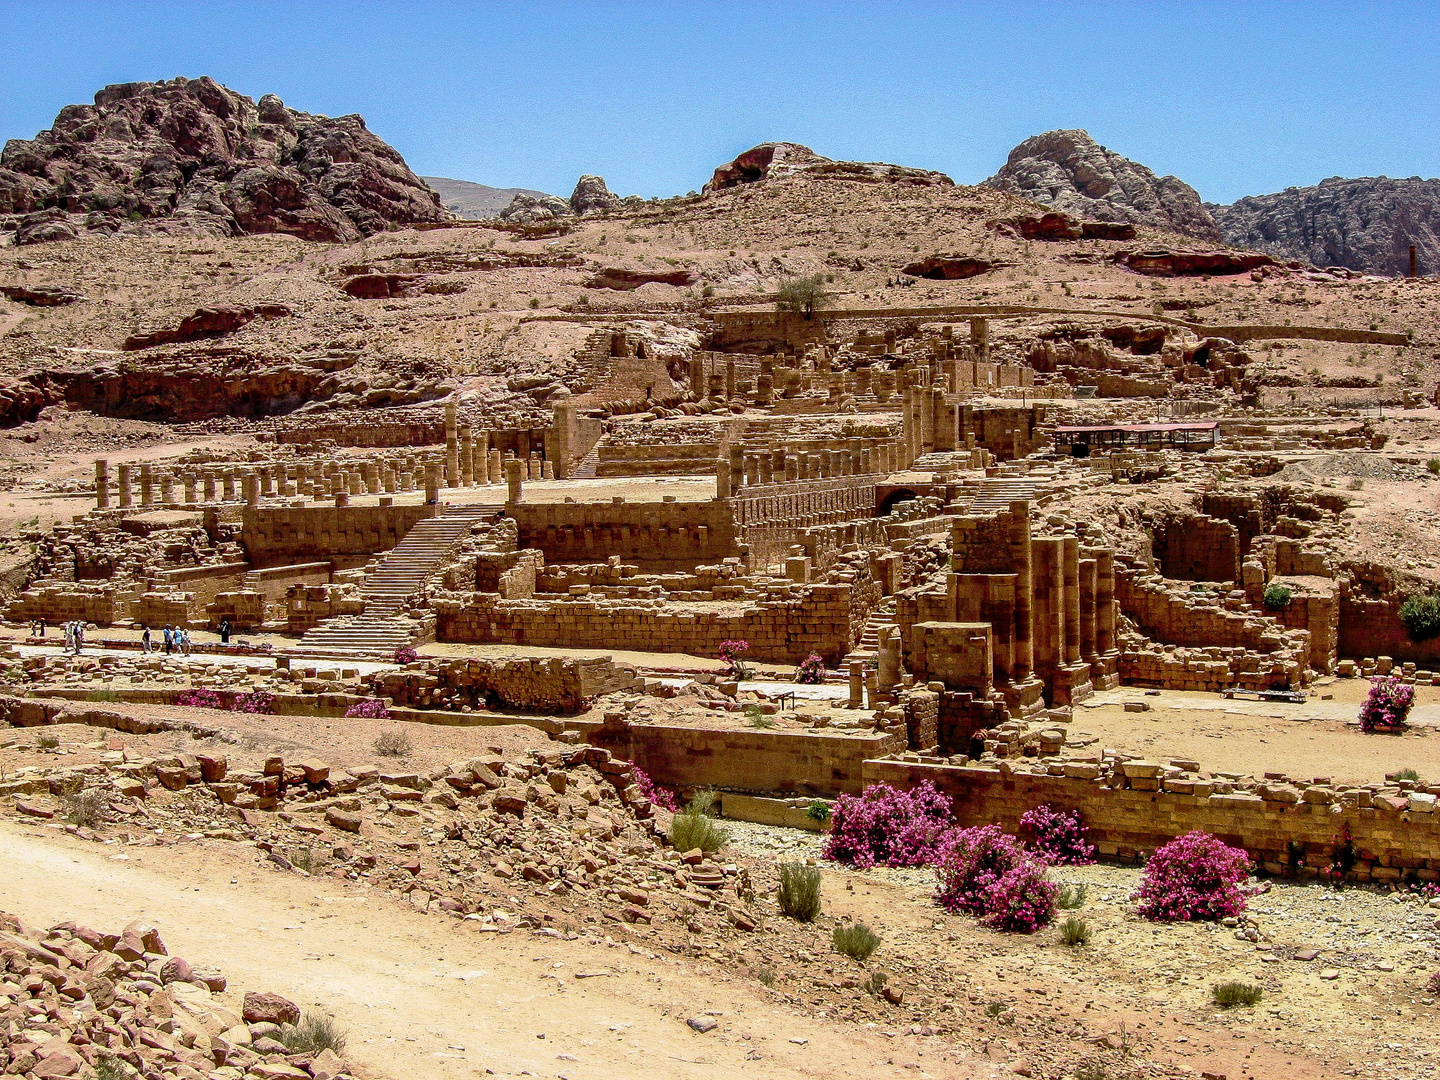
{"x":200,"y":699}
{"x":987,"y":874}
{"x":653,"y":792}
{"x":1194,"y":877}
{"x":889,"y":827}
{"x":1388,"y":705}
{"x":257,"y":702}
{"x":730,"y":651}
{"x":811,"y":670}
{"x":373,"y":709}
{"x":406,"y":655}
{"x":1059,"y":836}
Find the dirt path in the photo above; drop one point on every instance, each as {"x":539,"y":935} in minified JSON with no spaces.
{"x":430,"y":997}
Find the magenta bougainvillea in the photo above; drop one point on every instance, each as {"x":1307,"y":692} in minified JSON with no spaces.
{"x":657,"y":795}
{"x":987,"y":874}
{"x":406,"y":655}
{"x":811,"y":670}
{"x":199,"y":699}
{"x":1388,"y":704}
{"x":372,"y":709}
{"x":257,"y":702}
{"x":1193,"y":877}
{"x":889,"y":827}
{"x":1058,"y":836}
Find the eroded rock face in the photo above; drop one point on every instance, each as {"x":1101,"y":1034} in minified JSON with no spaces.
{"x":775,"y":161}
{"x":948,"y":267}
{"x":384,"y":286}
{"x":1071,"y":172}
{"x":524,"y":209}
{"x":40,"y":295}
{"x":591,"y":196}
{"x":215,"y":321}
{"x":1161,"y":262}
{"x":1364,"y":224}
{"x":618,"y":278}
{"x":190,"y":155}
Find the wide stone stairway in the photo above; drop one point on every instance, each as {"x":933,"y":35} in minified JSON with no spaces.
{"x":379,"y":629}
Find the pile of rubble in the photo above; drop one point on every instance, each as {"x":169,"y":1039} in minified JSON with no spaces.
{"x":84,"y":1004}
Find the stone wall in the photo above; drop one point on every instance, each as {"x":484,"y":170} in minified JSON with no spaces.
{"x":204,"y":582}
{"x":664,"y":535}
{"x":55,"y":602}
{"x":1372,"y":627}
{"x":284,"y":534}
{"x":544,"y":684}
{"x":1131,"y":823}
{"x":753,"y":761}
{"x":823,"y":619}
{"x":1198,"y":548}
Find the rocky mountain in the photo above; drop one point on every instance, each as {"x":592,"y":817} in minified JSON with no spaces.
{"x":591,"y":196}
{"x":1363,"y":224}
{"x":190,"y":155}
{"x":476,"y":202}
{"x":1071,"y":172}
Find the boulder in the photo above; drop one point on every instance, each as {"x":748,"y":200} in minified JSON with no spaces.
{"x":40,"y":295}
{"x":269,"y":1009}
{"x":591,"y":196}
{"x":780,"y":160}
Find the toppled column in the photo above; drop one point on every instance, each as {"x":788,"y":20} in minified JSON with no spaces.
{"x":102,"y":484}
{"x":123,"y":483}
{"x":514,"y":476}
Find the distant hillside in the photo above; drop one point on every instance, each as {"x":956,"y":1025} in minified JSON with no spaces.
{"x":467,"y":200}
{"x":1367,"y":223}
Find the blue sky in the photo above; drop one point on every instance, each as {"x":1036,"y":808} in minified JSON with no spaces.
{"x":1236,"y":99}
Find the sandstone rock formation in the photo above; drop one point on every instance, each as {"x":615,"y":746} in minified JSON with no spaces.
{"x":612,"y":277}
{"x":948,"y":267}
{"x":192,"y":155}
{"x":208,"y":322}
{"x":40,"y":295}
{"x":1162,"y":262}
{"x":524,"y":209}
{"x":774,"y":161}
{"x":1364,"y":224}
{"x":591,"y":196}
{"x":1070,"y":171}
{"x":1058,"y":226}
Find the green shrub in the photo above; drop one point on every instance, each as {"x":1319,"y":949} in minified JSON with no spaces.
{"x":1434,"y":466}
{"x":1229,"y":994}
{"x":818,"y":810}
{"x":1421,"y":616}
{"x":1407,"y":774}
{"x":1356,"y":484}
{"x":47,"y":742}
{"x":695,"y":826}
{"x":1072,"y":896}
{"x":766,"y":975}
{"x":110,"y":1067}
{"x":855,"y":940}
{"x":875,"y":984}
{"x":1277,"y":596}
{"x":799,"y":892}
{"x":315,"y":1032}
{"x":1075,"y":931}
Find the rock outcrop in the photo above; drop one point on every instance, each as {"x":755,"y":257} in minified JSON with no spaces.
{"x":948,"y":267}
{"x":1162,"y":262}
{"x":1365,"y":224}
{"x":1071,"y":172}
{"x":526,"y":209}
{"x":40,"y":295}
{"x":1058,"y":226}
{"x":191,"y":155}
{"x":591,"y":196}
{"x":614,"y":277}
{"x":208,"y":322}
{"x":778,"y":160}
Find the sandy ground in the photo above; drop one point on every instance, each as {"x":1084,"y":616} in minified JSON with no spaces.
{"x":1320,"y":738}
{"x":424,"y":997}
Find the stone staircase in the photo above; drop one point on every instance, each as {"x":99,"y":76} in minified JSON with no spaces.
{"x":868,"y":647}
{"x":997,"y":493}
{"x":585,"y":467}
{"x":379,"y":629}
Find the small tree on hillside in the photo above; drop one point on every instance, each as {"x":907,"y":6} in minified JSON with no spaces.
{"x":803,"y":295}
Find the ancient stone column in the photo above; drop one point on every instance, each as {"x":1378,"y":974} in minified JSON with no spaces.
{"x":227,"y":477}
{"x":857,"y":684}
{"x":123,"y":483}
{"x":372,"y":477}
{"x":514,"y":477}
{"x":1047,"y":591}
{"x":189,"y":489}
{"x":1024,"y":660}
{"x":102,"y":484}
{"x":147,"y":484}
{"x":1104,"y":602}
{"x":167,"y":488}
{"x":432,"y":483}
{"x":722,"y":478}
{"x":407,"y":481}
{"x":1087,"y":608}
{"x":495,"y":466}
{"x":481,"y":464}
{"x":452,"y":447}
{"x":980,"y":337}
{"x":467,"y":456}
{"x":209,"y":486}
{"x":387,"y":479}
{"x":267,"y":481}
{"x":729,"y":378}
{"x":887,"y":674}
{"x":250,"y":488}
{"x":342,"y":498}
{"x":1072,"y":599}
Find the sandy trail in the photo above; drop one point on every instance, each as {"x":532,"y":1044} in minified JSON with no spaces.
{"x":429,"y":997}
